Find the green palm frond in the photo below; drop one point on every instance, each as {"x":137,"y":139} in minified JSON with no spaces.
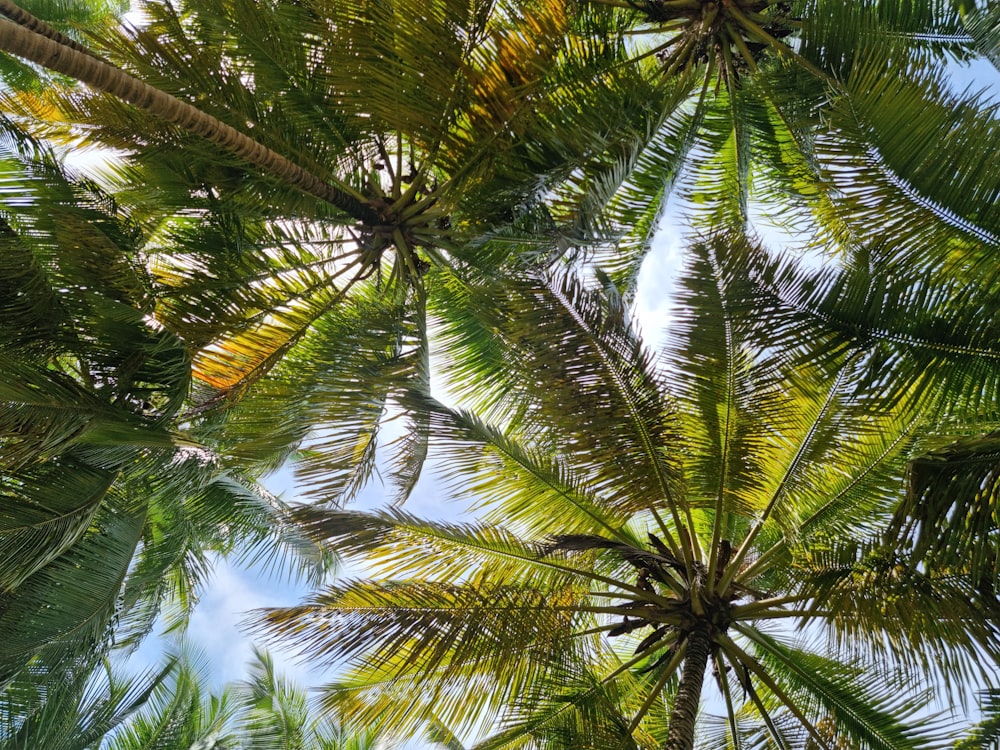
{"x":952,"y":221}
{"x":401,"y":544}
{"x":608,"y":209}
{"x":572,"y":354}
{"x":200,"y":509}
{"x":72,"y":709}
{"x":277,"y":712}
{"x":343,"y":372}
{"x":434,"y":638}
{"x":950,"y":511}
{"x":108,"y":512}
{"x":982,"y":25}
{"x":65,"y":608}
{"x":513,"y":477}
{"x":33,"y":534}
{"x":70,"y":261}
{"x":181,"y":713}
{"x":578,"y":708}
{"x":882,"y":594}
{"x":432,"y":626}
{"x":180,"y":708}
{"x":987,"y":730}
{"x":853,"y":697}
{"x":88,"y":384}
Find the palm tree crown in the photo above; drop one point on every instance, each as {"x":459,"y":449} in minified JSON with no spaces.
{"x":646,"y":522}
{"x":109,"y":510}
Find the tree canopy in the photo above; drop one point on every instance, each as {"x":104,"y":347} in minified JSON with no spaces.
{"x":319,"y":210}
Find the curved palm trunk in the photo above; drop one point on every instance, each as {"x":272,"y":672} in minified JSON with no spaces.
{"x":23,"y":18}
{"x":680,"y":734}
{"x":20,"y":40}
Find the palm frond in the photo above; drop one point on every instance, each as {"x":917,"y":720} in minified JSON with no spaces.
{"x":949,"y":514}
{"x":514,"y":479}
{"x":853,"y":697}
{"x":422,"y":638}
{"x":181,"y":712}
{"x":66,"y":608}
{"x":982,"y":25}
{"x":899,"y":168}
{"x":591,"y":379}
{"x":71,"y":709}
{"x":945,"y":636}
{"x":987,"y":731}
{"x":340,"y":385}
{"x":45,"y":511}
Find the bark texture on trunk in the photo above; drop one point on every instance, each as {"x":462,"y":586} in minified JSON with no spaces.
{"x":680,"y":734}
{"x":53,"y":55}
{"x":21,"y":17}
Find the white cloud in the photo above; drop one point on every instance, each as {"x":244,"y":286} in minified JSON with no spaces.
{"x":654,"y":297}
{"x":219,"y":622}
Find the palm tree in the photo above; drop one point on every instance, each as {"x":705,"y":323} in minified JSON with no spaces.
{"x":837,"y":122}
{"x":380,"y":138}
{"x":278,"y":714}
{"x":108,"y":513}
{"x":264,"y":712}
{"x":74,"y":710}
{"x":383,"y":137}
{"x":397,"y":119}
{"x":645,"y":522}
{"x":87,"y":385}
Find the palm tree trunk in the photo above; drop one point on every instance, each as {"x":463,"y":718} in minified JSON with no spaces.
{"x":680,"y":733}
{"x":52,"y":54}
{"x":23,"y":18}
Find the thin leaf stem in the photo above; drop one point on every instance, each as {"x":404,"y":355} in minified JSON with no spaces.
{"x":645,"y":614}
{"x":754,"y":666}
{"x":772,"y":728}
{"x":653,"y":597}
{"x":666,"y":26}
{"x":679,"y":57}
{"x":640,"y":592}
{"x":781,"y":47}
{"x":748,"y":610}
{"x":727,"y":694}
{"x":387,"y":162}
{"x":789,"y":473}
{"x":730,"y":408}
{"x":741,"y":45}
